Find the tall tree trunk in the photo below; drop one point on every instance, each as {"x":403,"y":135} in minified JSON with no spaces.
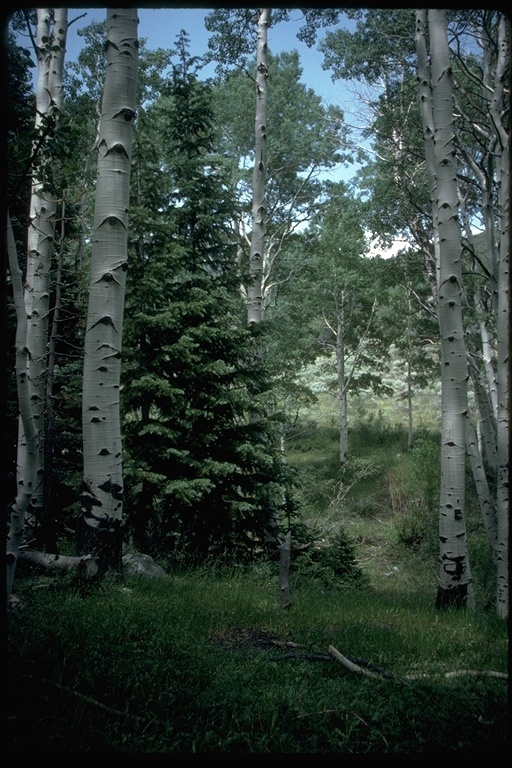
{"x":410,"y":421}
{"x":342,"y":386}
{"x":50,"y":49}
{"x":486,"y":418}
{"x":485,"y":499}
{"x":27,"y":482}
{"x":99,"y":531}
{"x":455,"y":586}
{"x":259,"y":209}
{"x":502,"y":321}
{"x":487,"y":353}
{"x":410,"y":426}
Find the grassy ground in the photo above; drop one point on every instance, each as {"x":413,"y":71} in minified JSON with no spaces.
{"x":209,"y":662}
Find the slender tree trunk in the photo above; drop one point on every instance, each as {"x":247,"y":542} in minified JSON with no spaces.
{"x":455,"y":586}
{"x":503,"y":374}
{"x":410,"y":426}
{"x":487,"y":421}
{"x":487,"y":354}
{"x":259,"y":209}
{"x":27,"y":482}
{"x":485,"y":499}
{"x":50,"y":48}
{"x":342,"y":387}
{"x":99,"y":530}
{"x":255,"y":303}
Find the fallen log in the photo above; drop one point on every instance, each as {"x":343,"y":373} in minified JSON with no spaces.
{"x":86,"y":564}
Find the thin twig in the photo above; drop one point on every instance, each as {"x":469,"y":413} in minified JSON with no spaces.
{"x":382,"y":675}
{"x":350,"y":664}
{"x":462,"y":673}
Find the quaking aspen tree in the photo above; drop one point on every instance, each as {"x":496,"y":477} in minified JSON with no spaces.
{"x":436,"y":99}
{"x":50,"y":45}
{"x":32,"y":295}
{"x":259,"y":209}
{"x":99,"y":529}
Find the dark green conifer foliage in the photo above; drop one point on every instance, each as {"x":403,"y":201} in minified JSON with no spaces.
{"x":201,"y":478}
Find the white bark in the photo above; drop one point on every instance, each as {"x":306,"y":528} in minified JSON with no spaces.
{"x":342,"y":386}
{"x":454,"y":575}
{"x":344,"y":377}
{"x":259,"y":210}
{"x":27,"y":482}
{"x":50,"y":49}
{"x":491,"y":170}
{"x":486,"y":418}
{"x":487,"y":355}
{"x":427,"y":121}
{"x":502,"y":326}
{"x":102,"y":500}
{"x":485,"y":499}
{"x":87,"y":566}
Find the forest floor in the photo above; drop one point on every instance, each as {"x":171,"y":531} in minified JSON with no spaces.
{"x":208,"y":661}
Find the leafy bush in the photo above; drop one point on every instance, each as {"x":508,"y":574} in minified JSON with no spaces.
{"x":330,"y":560}
{"x":413,"y":489}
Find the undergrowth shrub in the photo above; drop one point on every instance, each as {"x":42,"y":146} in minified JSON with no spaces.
{"x":413,"y":489}
{"x":330,"y":560}
{"x":370,"y":430}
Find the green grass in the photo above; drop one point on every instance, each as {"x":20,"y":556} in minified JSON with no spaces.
{"x":179,"y":665}
{"x":198,"y":662}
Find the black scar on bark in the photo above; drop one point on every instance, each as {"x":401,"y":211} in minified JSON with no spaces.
{"x":89,"y":500}
{"x":113,"y":488}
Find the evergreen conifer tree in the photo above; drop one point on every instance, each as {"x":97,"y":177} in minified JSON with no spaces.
{"x":201,"y":478}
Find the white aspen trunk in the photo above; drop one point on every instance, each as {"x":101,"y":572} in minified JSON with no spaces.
{"x":344,"y":377}
{"x":100,"y":525}
{"x":27,"y":482}
{"x":342,"y":387}
{"x":486,"y":181}
{"x":487,"y":355}
{"x":410,"y":436}
{"x":427,"y":121}
{"x":502,"y":323}
{"x":487,"y":421}
{"x":50,"y":49}
{"x":485,"y":499}
{"x":503,"y":373}
{"x":410,"y":432}
{"x":455,"y":587}
{"x":259,"y":210}
{"x":494,"y":73}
